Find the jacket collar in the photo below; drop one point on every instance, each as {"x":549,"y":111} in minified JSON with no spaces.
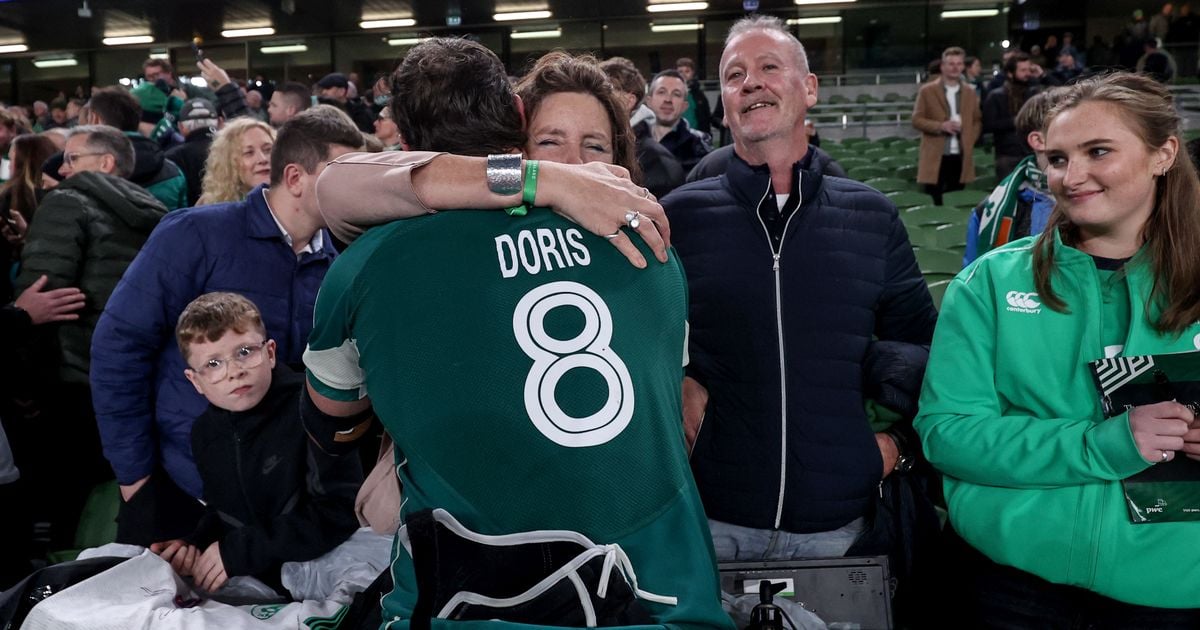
{"x":749,"y":184}
{"x":261,"y":225}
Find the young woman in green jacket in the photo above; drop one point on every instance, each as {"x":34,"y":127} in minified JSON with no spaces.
{"x":1009,"y":413}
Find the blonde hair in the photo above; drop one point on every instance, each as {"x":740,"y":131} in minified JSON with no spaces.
{"x":222,"y":178}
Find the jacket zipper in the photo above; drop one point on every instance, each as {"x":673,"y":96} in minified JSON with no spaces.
{"x":237,"y":462}
{"x":779,"y":329}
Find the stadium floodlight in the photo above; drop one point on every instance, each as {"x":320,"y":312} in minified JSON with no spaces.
{"x":521,"y":15}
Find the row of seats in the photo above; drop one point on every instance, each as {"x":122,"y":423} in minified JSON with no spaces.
{"x":938,"y":233}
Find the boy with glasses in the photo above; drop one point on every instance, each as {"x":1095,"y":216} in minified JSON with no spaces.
{"x":259,"y":468}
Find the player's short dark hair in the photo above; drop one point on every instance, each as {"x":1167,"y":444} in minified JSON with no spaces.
{"x":453,"y":95}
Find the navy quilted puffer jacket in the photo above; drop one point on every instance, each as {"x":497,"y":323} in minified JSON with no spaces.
{"x":779,"y":337}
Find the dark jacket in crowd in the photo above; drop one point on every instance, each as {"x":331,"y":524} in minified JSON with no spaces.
{"x":154,"y":172}
{"x":661,"y":172}
{"x":699,"y":109}
{"x":686,"y":144}
{"x":271,"y":495}
{"x":358,"y":112}
{"x":85,"y":234}
{"x":783,"y":307}
{"x":190,"y":157}
{"x":1000,"y":121}
{"x":717,"y":162}
{"x":144,"y":406}
{"x":231,"y":103}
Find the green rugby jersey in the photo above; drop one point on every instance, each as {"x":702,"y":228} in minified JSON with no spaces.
{"x":530,"y":377}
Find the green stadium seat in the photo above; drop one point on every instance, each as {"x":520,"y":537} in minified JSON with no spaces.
{"x":908,"y":171}
{"x":986,"y":183}
{"x":889,"y":184}
{"x":938,"y":260}
{"x":863,"y":173}
{"x":888,"y":141}
{"x":908,"y":199}
{"x":837,"y":99}
{"x":892,"y":97}
{"x":866,"y":98}
{"x":937,"y":291}
{"x":934,"y":215}
{"x":855,"y":141}
{"x":97,"y":523}
{"x":963,"y":198}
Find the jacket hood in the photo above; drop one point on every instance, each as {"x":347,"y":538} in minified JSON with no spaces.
{"x":129,"y":202}
{"x":147,"y":158}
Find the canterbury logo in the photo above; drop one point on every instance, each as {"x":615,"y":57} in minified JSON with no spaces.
{"x":1023,"y":302}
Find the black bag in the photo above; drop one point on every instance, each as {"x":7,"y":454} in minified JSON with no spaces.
{"x":16,"y":602}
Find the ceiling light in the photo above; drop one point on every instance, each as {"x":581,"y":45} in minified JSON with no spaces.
{"x":670,"y":28}
{"x":404,"y":41}
{"x":59,"y":62}
{"x":970,"y":13}
{"x":127,"y":39}
{"x":159,"y":54}
{"x":248,"y":32}
{"x":396,"y":23}
{"x":545,"y":34}
{"x":280,"y":49}
{"x":521,"y":15}
{"x":12,"y":48}
{"x":828,"y":19}
{"x":805,"y":2}
{"x":676,"y":6}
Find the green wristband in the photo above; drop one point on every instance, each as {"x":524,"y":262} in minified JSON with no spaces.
{"x":531,"y":173}
{"x":528,"y":193}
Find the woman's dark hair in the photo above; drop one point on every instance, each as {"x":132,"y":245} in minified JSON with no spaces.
{"x":558,"y":72}
{"x":30,"y":151}
{"x":1172,"y":232}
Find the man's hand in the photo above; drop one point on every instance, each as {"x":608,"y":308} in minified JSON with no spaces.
{"x":209,"y":570}
{"x":889,"y":451}
{"x":597,"y":196}
{"x":214,"y":74}
{"x":15,"y":228}
{"x":127,"y":492}
{"x":695,"y":401}
{"x":951,"y":127}
{"x":181,"y":555}
{"x":58,"y":305}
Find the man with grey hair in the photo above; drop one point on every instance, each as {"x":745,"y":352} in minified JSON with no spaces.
{"x":792,"y":273}
{"x":85,"y":233}
{"x":198,"y":124}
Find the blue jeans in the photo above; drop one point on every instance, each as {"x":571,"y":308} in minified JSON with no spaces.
{"x":734,"y":543}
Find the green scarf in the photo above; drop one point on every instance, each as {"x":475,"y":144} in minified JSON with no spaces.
{"x":1000,"y":208}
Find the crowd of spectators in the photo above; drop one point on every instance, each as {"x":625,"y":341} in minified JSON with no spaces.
{"x":232,"y":300}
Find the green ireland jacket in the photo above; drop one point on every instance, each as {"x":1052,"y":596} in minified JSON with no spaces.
{"x":1010,"y":415}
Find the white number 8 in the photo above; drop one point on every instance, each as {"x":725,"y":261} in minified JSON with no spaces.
{"x":553,"y":358}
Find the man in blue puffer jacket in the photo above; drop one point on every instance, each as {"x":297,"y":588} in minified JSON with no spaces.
{"x":272,"y":248}
{"x":790,"y":274}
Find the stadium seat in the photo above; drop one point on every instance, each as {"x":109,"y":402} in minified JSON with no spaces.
{"x":937,"y":290}
{"x":855,"y":141}
{"x":889,"y":184}
{"x":837,"y":99}
{"x":963,"y":198}
{"x":934,"y":215}
{"x":939,"y":260}
{"x":863,"y":173}
{"x":986,"y":183}
{"x":97,"y":523}
{"x":908,"y":199}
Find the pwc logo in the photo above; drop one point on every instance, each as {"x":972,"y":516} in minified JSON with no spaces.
{"x":1019,"y":302}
